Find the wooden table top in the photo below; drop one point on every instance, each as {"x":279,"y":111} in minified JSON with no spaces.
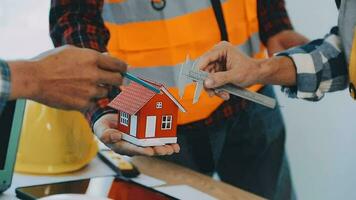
{"x":177,"y":175}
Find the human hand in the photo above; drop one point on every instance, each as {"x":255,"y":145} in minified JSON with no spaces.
{"x":67,"y":77}
{"x":105,"y":129}
{"x":226,"y":64}
{"x":285,"y":40}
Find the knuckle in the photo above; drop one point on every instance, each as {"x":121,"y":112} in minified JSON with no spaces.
{"x":226,"y":76}
{"x":94,"y":59}
{"x":68,"y":46}
{"x":91,"y":58}
{"x":117,"y":80}
{"x":104,"y":138}
{"x":224,"y":43}
{"x":95,"y":75}
{"x":124,"y":66}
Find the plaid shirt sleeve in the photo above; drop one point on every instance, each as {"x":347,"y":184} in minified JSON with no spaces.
{"x":273,"y":18}
{"x":4,"y":84}
{"x":321,"y":67}
{"x":80,"y":23}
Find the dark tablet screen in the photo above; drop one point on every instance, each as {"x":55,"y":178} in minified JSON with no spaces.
{"x":6,"y":118}
{"x":113,"y":188}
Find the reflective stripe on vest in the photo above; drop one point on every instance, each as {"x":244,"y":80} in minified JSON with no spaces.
{"x":155,"y":42}
{"x":168,"y":75}
{"x":121,"y":13}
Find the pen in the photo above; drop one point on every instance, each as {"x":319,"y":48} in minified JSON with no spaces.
{"x":141,"y":82}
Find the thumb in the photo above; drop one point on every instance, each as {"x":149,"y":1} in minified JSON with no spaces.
{"x":104,"y":129}
{"x":109,"y":63}
{"x":110,"y":136}
{"x":217,"y":79}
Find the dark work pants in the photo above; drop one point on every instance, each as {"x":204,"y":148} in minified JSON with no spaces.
{"x":247,"y":151}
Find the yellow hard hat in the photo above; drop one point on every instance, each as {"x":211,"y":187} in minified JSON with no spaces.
{"x":54,"y":141}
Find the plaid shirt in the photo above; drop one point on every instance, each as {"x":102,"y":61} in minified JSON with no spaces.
{"x":4,"y":84}
{"x":272,"y":18}
{"x":321,"y":67}
{"x":80,"y":23}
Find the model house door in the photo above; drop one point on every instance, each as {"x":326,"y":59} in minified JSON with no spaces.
{"x":133,"y":125}
{"x":150,"y":126}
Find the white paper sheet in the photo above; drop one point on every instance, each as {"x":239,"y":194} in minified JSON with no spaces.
{"x":148,"y":181}
{"x":184,"y":192}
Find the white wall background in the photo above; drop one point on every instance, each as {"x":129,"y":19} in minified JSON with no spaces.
{"x":321,"y":139}
{"x":321,"y":136}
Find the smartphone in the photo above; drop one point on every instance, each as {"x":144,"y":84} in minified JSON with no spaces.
{"x":109,"y":187}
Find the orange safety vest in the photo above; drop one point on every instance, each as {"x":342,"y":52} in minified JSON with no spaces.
{"x":156,"y":41}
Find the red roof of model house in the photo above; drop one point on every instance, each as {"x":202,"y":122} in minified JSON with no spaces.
{"x":135,"y":96}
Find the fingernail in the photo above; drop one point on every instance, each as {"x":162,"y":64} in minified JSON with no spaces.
{"x":209,"y":82}
{"x":115,"y":137}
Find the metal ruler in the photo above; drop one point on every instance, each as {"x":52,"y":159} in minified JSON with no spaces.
{"x":199,"y":76}
{"x":188,"y":72}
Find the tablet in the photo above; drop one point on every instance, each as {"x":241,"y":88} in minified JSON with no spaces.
{"x":10,"y":128}
{"x":94,"y":188}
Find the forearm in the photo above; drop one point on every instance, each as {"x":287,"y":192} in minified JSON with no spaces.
{"x":278,"y":70}
{"x":320,"y":66}
{"x":23,"y":79}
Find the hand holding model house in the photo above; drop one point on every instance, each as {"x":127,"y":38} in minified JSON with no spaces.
{"x":146,"y":123}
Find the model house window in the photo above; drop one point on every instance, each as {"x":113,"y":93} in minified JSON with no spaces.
{"x":124,"y":118}
{"x":166,"y":122}
{"x":159,"y":105}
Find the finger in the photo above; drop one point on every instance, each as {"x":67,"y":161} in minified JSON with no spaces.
{"x":109,"y":78}
{"x":176,"y":148}
{"x":111,"y":136}
{"x":169,"y":149}
{"x":101,"y":92}
{"x":218,"y":67}
{"x":107,"y":121}
{"x":223,"y":95}
{"x":209,"y":68}
{"x":213,"y":55}
{"x":160,"y":150}
{"x":210,"y":92}
{"x":217,"y":79}
{"x":110,"y":63}
{"x":216,"y":54}
{"x":129,"y":149}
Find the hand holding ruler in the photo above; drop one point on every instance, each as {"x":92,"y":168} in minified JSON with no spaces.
{"x":189,"y":73}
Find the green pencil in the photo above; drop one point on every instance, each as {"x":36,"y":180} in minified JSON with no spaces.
{"x":141,"y":82}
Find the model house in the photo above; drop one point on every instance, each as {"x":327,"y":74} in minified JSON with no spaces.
{"x":145,"y":117}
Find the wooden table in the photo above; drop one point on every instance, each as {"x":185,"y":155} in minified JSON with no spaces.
{"x":175,"y":175}
{"x":171,"y":173}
